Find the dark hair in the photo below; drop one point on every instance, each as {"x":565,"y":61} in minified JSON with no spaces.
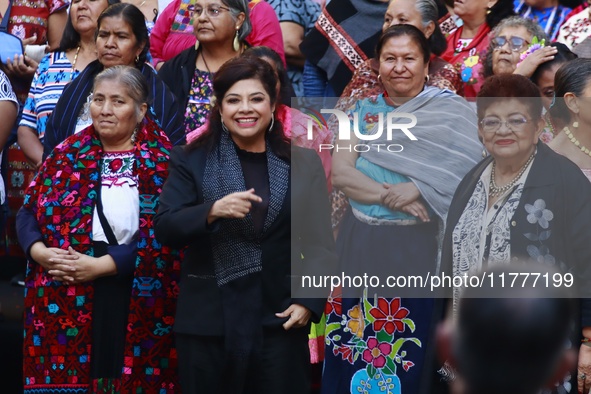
{"x":430,"y":13}
{"x":417,"y":36}
{"x":562,"y":56}
{"x":530,"y":25}
{"x":499,"y":87}
{"x":285,"y":91}
{"x":571,"y":77}
{"x":135,"y":19}
{"x":494,"y":357}
{"x":131,"y":78}
{"x":235,"y":70}
{"x":501,"y":10}
{"x":236,"y":7}
{"x":70,"y":37}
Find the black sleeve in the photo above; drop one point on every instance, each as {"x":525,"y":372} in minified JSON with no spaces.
{"x":577,"y":192}
{"x":318,"y":256}
{"x":51,"y":139}
{"x":124,"y":257}
{"x":27,"y":229}
{"x":182,"y":215}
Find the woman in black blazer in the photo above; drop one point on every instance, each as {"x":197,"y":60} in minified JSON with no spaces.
{"x":230,"y":198}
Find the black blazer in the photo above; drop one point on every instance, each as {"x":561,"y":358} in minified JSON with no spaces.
{"x":566,"y":192}
{"x":182,"y":221}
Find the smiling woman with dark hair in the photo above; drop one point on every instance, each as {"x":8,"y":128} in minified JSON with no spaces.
{"x":259,"y":213}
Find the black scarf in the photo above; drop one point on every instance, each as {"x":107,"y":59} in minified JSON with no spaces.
{"x":237,"y":256}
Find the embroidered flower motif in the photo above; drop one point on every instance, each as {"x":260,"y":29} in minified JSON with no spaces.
{"x":376,"y":352}
{"x":389,"y":316}
{"x":541,"y":254}
{"x":357,"y":322}
{"x":538,"y":213}
{"x":115,"y":165}
{"x":333,"y":305}
{"x":345,"y":351}
{"x":407,"y":365}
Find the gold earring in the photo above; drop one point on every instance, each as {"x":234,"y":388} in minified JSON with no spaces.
{"x":236,"y":43}
{"x":487,"y":10}
{"x":196,"y":45}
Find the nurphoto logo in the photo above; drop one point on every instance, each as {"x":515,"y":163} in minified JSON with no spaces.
{"x":365,"y":140}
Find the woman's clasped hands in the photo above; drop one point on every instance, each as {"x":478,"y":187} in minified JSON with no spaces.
{"x":404,"y":197}
{"x":70,"y":266}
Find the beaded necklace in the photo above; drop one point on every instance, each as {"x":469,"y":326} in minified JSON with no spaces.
{"x":575,"y":141}
{"x":74,"y":63}
{"x":496,"y":190}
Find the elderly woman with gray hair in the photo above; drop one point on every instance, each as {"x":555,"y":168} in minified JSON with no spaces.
{"x":101,"y":292}
{"x":220,"y":28}
{"x":511,"y":49}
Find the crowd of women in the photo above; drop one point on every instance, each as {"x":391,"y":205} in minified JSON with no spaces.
{"x":165,"y":196}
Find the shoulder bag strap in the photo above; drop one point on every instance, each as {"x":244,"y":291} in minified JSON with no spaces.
{"x":104,"y":222}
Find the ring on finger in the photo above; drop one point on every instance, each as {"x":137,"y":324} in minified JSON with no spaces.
{"x":582,"y":376}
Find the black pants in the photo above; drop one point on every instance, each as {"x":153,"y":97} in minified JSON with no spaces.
{"x":284,"y":366}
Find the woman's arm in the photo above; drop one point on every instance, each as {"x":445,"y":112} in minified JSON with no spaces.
{"x":293,"y":34}
{"x":55,"y":27}
{"x":160,"y":33}
{"x":351,"y":181}
{"x":181,"y":216}
{"x":31,"y":146}
{"x":9,"y":112}
{"x":31,"y":240}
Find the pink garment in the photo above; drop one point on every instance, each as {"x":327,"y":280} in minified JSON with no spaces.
{"x":295,"y":127}
{"x":166,"y":43}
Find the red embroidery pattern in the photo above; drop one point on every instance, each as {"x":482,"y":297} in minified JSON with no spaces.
{"x":57,"y":345}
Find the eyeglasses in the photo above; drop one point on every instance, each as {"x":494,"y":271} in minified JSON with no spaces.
{"x":492,"y":124}
{"x":212,"y":11}
{"x":515,"y":43}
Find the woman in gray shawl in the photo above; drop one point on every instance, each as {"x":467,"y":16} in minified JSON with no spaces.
{"x":399,"y":170}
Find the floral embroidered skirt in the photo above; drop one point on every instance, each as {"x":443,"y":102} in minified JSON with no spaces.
{"x":376,"y":344}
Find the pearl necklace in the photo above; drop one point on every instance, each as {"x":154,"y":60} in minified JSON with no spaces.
{"x":500,"y":190}
{"x":575,"y":141}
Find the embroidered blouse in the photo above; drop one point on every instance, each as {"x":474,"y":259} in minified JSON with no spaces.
{"x":483,"y":235}
{"x":119,"y":196}
{"x":199,"y":104}
{"x":576,"y":29}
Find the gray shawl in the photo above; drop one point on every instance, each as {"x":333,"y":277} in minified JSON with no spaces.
{"x":447,"y":146}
